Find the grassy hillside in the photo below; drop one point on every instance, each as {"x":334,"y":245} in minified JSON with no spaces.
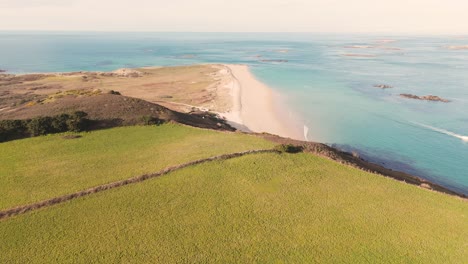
{"x":257,"y":208}
{"x":40,"y":168}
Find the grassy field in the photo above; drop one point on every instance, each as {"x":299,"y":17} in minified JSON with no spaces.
{"x":40,"y":168}
{"x":258,"y":208}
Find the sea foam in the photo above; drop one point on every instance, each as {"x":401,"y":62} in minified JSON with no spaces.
{"x":443,"y":131}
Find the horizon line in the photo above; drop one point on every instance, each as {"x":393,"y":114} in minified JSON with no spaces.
{"x":234,"y":32}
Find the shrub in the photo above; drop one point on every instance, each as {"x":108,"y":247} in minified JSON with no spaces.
{"x":77,"y":122}
{"x":40,"y":126}
{"x":150,"y":120}
{"x":59,"y":123}
{"x":15,"y":129}
{"x":12,"y":129}
{"x":12,"y":125}
{"x":288,"y":148}
{"x":114,"y":92}
{"x":3,"y":135}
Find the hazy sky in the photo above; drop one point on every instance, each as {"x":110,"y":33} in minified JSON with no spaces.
{"x":386,"y":16}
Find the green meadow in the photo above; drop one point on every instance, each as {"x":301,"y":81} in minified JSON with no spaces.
{"x":44,"y":167}
{"x":265,"y":208}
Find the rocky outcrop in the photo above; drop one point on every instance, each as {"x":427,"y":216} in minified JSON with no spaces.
{"x":432,"y":98}
{"x":277,"y":61}
{"x":2,"y":70}
{"x":382,"y":86}
{"x":360,"y":55}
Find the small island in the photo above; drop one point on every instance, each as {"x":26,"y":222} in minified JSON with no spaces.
{"x":275,"y":61}
{"x":382,"y":86}
{"x":432,"y":98}
{"x":359,"y":55}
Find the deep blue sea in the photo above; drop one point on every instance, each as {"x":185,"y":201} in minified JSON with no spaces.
{"x":327,"y":79}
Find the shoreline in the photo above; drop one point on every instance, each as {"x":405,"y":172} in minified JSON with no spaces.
{"x":268,"y":117}
{"x":257,"y":107}
{"x":349,"y":159}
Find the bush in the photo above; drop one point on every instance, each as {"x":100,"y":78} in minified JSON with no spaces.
{"x":18,"y":125}
{"x":114,"y":92}
{"x":77,"y":122}
{"x":40,"y":126}
{"x":149,"y":120}
{"x":12,"y":129}
{"x":15,"y":129}
{"x":288,"y":148}
{"x":59,"y":123}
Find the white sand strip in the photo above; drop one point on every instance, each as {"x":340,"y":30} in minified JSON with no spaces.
{"x":256,"y":107}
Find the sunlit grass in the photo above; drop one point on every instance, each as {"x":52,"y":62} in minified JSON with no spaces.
{"x":40,"y":168}
{"x":258,"y":208}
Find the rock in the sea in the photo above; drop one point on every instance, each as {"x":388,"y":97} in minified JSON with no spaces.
{"x":188,"y":56}
{"x":425,"y":98}
{"x":276,"y":61}
{"x":360,"y":55}
{"x":359,"y":47}
{"x":2,"y":70}
{"x":382,"y":86}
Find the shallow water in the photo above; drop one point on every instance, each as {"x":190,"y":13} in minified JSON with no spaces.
{"x":331,"y":91}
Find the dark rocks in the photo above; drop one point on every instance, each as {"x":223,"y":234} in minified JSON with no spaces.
{"x":432,"y":98}
{"x":114,"y":92}
{"x":382,"y":86}
{"x":277,"y":61}
{"x":2,"y":70}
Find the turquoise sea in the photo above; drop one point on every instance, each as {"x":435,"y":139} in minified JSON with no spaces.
{"x":327,"y":79}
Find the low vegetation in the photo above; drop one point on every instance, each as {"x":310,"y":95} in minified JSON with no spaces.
{"x":288,"y":148}
{"x":41,"y":168}
{"x":151,"y":120}
{"x":108,"y":196}
{"x":258,"y":208}
{"x":190,"y":85}
{"x":43,"y":125}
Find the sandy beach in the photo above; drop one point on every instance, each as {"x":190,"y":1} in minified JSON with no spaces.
{"x":232,"y":91}
{"x":257,"y":107}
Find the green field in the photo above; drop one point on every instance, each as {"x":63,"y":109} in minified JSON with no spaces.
{"x":295,"y":208}
{"x":40,"y":168}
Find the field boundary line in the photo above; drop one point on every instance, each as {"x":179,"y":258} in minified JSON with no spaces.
{"x":64,"y":198}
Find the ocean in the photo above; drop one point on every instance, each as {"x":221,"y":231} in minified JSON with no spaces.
{"x":327,"y":79}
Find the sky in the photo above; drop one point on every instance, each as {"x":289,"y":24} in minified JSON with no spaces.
{"x":334,"y":16}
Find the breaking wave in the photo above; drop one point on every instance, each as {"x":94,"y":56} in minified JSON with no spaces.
{"x":443,"y":131}
{"x":306,"y":132}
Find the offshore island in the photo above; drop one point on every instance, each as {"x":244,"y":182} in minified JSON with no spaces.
{"x":201,"y":158}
